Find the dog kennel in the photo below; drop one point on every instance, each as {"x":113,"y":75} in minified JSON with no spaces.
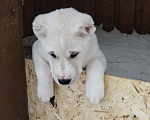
{"x":125,"y":98}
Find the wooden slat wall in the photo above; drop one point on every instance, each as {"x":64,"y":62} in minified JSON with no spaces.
{"x":28,"y":16}
{"x":89,"y":7}
{"x":55,"y":4}
{"x":142,"y":16}
{"x":146,"y":18}
{"x":117,"y":14}
{"x":98,"y":11}
{"x":139,"y":9}
{"x":78,"y":4}
{"x":125,"y":15}
{"x":108,"y":15}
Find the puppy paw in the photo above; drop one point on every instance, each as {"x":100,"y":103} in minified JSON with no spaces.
{"x":44,"y":94}
{"x":94,"y":93}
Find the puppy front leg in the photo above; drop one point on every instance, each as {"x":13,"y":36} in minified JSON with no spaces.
{"x":95,"y":80}
{"x":44,"y":78}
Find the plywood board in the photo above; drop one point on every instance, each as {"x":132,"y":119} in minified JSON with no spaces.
{"x":124,"y":99}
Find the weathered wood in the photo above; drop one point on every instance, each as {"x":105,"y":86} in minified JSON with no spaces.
{"x":89,"y":8}
{"x":124,"y":14}
{"x":41,"y":6}
{"x":28,"y":16}
{"x":118,"y":14}
{"x":127,"y":16}
{"x":77,"y":4}
{"x":139,"y":8}
{"x":56,"y":4}
{"x":108,"y":15}
{"x":13,"y":89}
{"x":45,"y":6}
{"x":98,"y":11}
{"x":146,"y":18}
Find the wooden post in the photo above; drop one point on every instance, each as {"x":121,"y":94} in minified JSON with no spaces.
{"x":13,"y":90}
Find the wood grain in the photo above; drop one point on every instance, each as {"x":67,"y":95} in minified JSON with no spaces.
{"x":125,"y":99}
{"x":13,"y":89}
{"x":29,"y":13}
{"x":146,"y":18}
{"x":139,"y":9}
{"x":56,"y":4}
{"x":77,"y":4}
{"x":127,"y":16}
{"x":89,"y":8}
{"x":108,"y":15}
{"x":118,"y":14}
{"x":98,"y":11}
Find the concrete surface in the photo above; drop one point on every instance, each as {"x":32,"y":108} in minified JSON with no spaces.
{"x":127,"y":55}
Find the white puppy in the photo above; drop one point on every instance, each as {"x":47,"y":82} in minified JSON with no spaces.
{"x":66,"y":44}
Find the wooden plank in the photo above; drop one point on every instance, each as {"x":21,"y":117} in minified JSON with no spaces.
{"x":124,"y":99}
{"x":108,"y":15}
{"x":146,"y":18}
{"x":77,"y":4}
{"x":117,"y":14}
{"x":41,"y":6}
{"x":28,"y":16}
{"x":139,"y":9}
{"x":127,"y":16}
{"x":56,"y":4}
{"x":13,"y":89}
{"x":98,"y":11}
{"x":89,"y":8}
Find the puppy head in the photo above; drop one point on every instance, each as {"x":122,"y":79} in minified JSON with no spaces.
{"x":64,"y":36}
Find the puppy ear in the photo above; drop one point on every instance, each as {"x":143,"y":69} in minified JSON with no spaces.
{"x":84,"y":30}
{"x":40,"y":28}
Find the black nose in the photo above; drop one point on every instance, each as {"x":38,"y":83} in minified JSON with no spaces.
{"x":64,"y":81}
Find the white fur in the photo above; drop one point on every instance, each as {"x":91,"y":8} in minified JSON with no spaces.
{"x":63,"y":32}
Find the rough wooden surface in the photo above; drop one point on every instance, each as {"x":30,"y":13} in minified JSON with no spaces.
{"x":98,"y":12}
{"x":127,"y":16}
{"x":124,"y":14}
{"x":108,"y":15}
{"x":124,"y":99}
{"x":89,"y":8}
{"x":29,"y":12}
{"x":142,"y":16}
{"x":117,"y":15}
{"x":13,"y":92}
{"x":77,"y":4}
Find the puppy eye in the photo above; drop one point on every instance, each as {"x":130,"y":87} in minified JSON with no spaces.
{"x":74,"y":54}
{"x":52,"y":54}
